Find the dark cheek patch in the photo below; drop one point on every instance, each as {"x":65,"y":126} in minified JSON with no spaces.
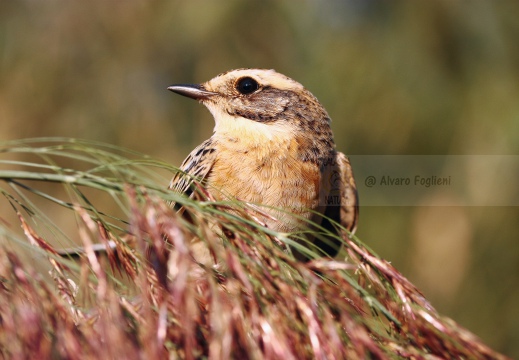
{"x":256,"y":116}
{"x":267,"y":105}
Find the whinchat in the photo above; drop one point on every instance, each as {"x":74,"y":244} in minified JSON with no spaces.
{"x":272,"y":145}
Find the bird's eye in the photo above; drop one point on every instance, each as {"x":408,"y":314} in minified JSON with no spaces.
{"x":247,"y":85}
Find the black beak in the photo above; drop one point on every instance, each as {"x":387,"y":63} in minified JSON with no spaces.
{"x":192,"y":91}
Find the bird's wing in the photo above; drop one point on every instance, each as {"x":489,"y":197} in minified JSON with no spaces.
{"x":349,"y":196}
{"x":338,"y":202}
{"x":196,"y":167}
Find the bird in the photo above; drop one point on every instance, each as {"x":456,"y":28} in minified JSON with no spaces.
{"x":272,"y":145}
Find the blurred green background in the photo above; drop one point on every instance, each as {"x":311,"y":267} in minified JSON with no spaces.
{"x":399,"y":77}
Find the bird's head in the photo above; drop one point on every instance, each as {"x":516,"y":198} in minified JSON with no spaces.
{"x":258,"y":100}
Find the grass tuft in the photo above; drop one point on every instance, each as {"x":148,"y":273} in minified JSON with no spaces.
{"x":209,"y":283}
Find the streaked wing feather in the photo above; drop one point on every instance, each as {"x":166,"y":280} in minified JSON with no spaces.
{"x":349,"y":196}
{"x":196,"y":166}
{"x":338,"y":201}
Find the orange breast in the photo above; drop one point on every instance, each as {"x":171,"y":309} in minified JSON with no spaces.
{"x":269,"y":175}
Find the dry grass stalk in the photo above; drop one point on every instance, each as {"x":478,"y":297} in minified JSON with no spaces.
{"x":248,"y":298}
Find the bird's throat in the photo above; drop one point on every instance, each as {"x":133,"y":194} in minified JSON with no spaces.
{"x":251,"y":133}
